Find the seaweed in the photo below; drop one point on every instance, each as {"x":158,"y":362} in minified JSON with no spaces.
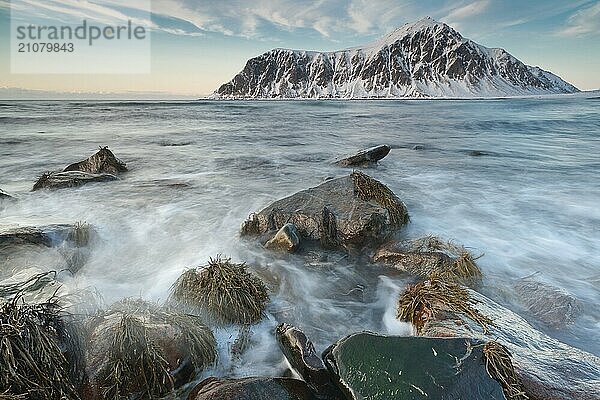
{"x":80,"y":234}
{"x":137,"y":363}
{"x":226,"y":291}
{"x":251,"y":226}
{"x":40,"y":352}
{"x":422,"y":301}
{"x":498,"y":364}
{"x":367,"y":189}
{"x":463,"y":267}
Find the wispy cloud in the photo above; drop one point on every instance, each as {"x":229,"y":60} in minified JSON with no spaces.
{"x":468,"y":11}
{"x":585,"y":22}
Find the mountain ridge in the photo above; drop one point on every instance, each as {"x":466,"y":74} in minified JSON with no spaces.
{"x":418,"y":60}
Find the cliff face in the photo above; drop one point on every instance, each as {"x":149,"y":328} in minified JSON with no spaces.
{"x":423,"y":59}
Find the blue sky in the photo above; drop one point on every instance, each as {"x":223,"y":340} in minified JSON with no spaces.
{"x":197,"y":45}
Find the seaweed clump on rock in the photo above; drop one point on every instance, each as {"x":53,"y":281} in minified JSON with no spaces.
{"x":41,"y":354}
{"x":424,"y":300}
{"x":498,"y":363}
{"x":227,"y":292}
{"x":137,"y":348}
{"x":431,"y":255}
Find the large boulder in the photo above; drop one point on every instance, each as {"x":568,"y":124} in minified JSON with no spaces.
{"x":550,"y":305}
{"x":103,"y":162}
{"x":371,"y":366}
{"x":226,"y":292}
{"x":354,"y":210}
{"x":252,"y":389}
{"x":70,"y":179}
{"x":365,"y":157}
{"x":302,"y":357}
{"x":546,"y":368}
{"x":138,"y":349}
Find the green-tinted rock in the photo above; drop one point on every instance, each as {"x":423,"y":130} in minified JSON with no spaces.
{"x":251,"y":389}
{"x":374,"y":367}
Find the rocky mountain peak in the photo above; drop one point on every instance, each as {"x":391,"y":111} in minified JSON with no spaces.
{"x":426,"y":58}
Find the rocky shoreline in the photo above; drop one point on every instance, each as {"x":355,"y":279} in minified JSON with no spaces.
{"x":464,"y":345}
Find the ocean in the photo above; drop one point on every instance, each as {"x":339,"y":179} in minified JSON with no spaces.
{"x":516,"y":180}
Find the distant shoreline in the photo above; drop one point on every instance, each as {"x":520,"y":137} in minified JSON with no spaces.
{"x":170,"y":99}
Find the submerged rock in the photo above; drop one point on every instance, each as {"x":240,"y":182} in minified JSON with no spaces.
{"x":226,"y":292}
{"x":365,"y":157}
{"x":429,"y":255}
{"x":552,"y":306}
{"x":103,"y":162}
{"x":47,"y":235}
{"x":138,"y":349}
{"x":53,"y":246}
{"x":252,"y":389}
{"x":62,"y":180}
{"x":371,"y":366}
{"x":355,"y":210}
{"x":300,"y":353}
{"x":286,"y":239}
{"x":547,"y":368}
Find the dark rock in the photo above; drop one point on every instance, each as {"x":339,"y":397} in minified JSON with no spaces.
{"x":252,"y":389}
{"x":286,"y":239}
{"x":139,"y":349}
{"x":477,"y":153}
{"x":550,"y":305}
{"x":103,"y":162}
{"x":365,"y":157}
{"x":371,"y":366}
{"x":354,"y":211}
{"x":547,"y":368}
{"x":48,"y":235}
{"x":61,"y":180}
{"x":4,"y":195}
{"x":300,"y":353}
{"x":418,"y":147}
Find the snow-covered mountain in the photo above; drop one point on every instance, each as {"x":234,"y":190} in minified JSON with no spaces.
{"x":423,"y":59}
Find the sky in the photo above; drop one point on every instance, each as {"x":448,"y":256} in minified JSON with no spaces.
{"x":197,"y":45}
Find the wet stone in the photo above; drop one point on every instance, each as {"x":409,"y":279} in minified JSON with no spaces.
{"x":375,"y":367}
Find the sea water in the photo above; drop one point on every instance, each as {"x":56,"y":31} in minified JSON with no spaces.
{"x":516,"y":180}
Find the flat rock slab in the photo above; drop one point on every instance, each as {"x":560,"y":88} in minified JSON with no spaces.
{"x":252,"y":389}
{"x":48,"y":235}
{"x":365,"y":157}
{"x":548,"y":369}
{"x":354,"y":210}
{"x":62,"y":180}
{"x":375,"y":367}
{"x":552,"y":306}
